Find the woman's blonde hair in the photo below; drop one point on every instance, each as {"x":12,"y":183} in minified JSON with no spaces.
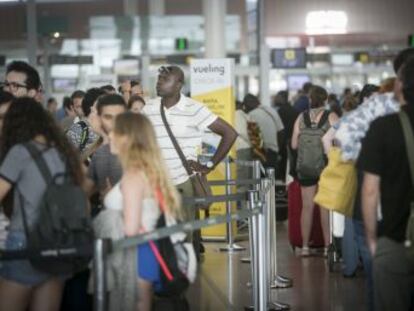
{"x":143,"y":153}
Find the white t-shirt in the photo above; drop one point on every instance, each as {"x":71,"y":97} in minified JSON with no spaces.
{"x":270,"y":124}
{"x":241,"y":119}
{"x":188,"y":120}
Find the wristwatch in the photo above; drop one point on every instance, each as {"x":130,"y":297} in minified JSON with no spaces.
{"x":209,"y":164}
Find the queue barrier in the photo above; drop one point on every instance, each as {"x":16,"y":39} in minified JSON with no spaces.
{"x":262,"y":246}
{"x":261,"y":232}
{"x":104,"y":247}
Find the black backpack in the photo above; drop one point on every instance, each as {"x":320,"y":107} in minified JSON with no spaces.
{"x":179,"y":284}
{"x":63,"y":232}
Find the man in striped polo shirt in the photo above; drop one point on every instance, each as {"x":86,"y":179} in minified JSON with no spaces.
{"x":188,"y":119}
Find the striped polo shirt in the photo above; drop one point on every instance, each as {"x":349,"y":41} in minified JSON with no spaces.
{"x":188,"y":120}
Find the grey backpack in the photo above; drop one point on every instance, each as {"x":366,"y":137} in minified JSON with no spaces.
{"x":63,"y":233}
{"x":311,"y":156}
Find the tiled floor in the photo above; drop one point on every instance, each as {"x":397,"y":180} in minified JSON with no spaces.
{"x":223,"y":279}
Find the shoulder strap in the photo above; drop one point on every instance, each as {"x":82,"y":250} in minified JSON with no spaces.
{"x":45,"y":172}
{"x":324,"y":118}
{"x":409,"y":140}
{"x":174,"y":142}
{"x":40,"y":162}
{"x":84,"y":135}
{"x":91,"y":150}
{"x":273,"y":118}
{"x":307,"y":119}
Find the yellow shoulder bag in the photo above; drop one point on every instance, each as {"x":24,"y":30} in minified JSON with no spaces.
{"x":337,"y":184}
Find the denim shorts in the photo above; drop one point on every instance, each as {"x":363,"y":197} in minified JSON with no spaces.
{"x":20,"y":271}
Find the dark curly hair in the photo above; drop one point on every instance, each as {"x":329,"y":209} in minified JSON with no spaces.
{"x":27,"y":119}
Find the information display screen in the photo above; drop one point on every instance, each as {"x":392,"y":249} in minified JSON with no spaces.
{"x":295,"y":82}
{"x":289,"y":58}
{"x":64,"y":85}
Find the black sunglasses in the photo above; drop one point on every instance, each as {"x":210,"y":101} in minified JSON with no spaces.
{"x":165,"y":70}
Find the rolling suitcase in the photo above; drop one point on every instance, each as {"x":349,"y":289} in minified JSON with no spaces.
{"x":294,"y":215}
{"x":281,"y":201}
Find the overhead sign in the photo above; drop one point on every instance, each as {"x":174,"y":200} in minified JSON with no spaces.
{"x":362,"y":57}
{"x":181,"y":44}
{"x":212,"y":83}
{"x":288,"y":58}
{"x":59,"y":59}
{"x":64,"y":85}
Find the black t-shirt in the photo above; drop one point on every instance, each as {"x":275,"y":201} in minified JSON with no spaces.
{"x":384,"y":154}
{"x":288,"y":114}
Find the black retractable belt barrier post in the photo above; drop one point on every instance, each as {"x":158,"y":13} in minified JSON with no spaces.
{"x":231,"y":246}
{"x":276,"y":281}
{"x":101,"y":251}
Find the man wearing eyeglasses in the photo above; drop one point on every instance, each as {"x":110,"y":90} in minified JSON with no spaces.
{"x":130,"y":88}
{"x":22,"y":80}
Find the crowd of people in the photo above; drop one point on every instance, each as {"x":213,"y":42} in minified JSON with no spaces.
{"x":365,"y":126}
{"x":115,"y":146}
{"x":134,"y":157}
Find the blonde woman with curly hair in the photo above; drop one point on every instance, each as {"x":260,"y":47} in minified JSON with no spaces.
{"x":144,"y":182}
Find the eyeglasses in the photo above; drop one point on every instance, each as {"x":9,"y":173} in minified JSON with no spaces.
{"x":14,"y":86}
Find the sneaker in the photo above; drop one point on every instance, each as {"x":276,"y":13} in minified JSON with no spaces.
{"x":325,"y":252}
{"x":305,"y":252}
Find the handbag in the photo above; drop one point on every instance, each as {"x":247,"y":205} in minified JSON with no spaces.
{"x":176,"y":258}
{"x":409,"y":143}
{"x":337,"y":185}
{"x":199,"y":181}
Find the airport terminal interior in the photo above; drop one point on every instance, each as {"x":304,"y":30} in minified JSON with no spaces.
{"x":206,"y":155}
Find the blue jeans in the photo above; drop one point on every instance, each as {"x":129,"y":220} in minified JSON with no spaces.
{"x":354,"y":246}
{"x":366,"y":257}
{"x":350,"y":254}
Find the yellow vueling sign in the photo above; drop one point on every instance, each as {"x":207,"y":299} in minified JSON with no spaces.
{"x":212,"y":83}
